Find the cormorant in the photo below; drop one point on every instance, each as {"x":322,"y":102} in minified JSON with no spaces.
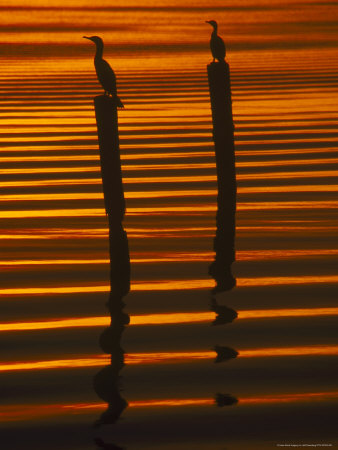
{"x":217,"y":46}
{"x":104,"y":72}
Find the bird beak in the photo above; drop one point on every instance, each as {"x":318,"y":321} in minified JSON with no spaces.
{"x":86,"y":37}
{"x":207,"y":21}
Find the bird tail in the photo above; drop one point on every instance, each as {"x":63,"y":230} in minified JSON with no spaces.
{"x":118,"y":102}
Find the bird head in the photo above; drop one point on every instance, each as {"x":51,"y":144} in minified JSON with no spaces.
{"x":96,"y":39}
{"x":213,"y":23}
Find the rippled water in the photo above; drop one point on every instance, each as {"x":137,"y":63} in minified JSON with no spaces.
{"x":54,"y":231}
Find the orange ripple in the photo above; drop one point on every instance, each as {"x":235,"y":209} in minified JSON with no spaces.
{"x":74,"y":233}
{"x":99,"y":195}
{"x":124,"y":157}
{"x":288,"y":188}
{"x":97,"y":361}
{"x":69,"y":233}
{"x":154,"y":210}
{"x":162,"y":166}
{"x":165,"y":357}
{"x":241,"y":255}
{"x":165,"y":318}
{"x":290,"y":351}
{"x":283,"y":152}
{"x":209,"y":152}
{"x":22,"y":412}
{"x":297,"y":312}
{"x":163,"y":193}
{"x":291,"y":162}
{"x":288,"y":398}
{"x":173,"y":179}
{"x":169,"y":285}
{"x":167,"y":166}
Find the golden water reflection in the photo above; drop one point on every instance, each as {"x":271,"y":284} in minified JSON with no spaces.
{"x":163,"y":257}
{"x":164,"y":194}
{"x":28,"y":412}
{"x":165,"y":318}
{"x":171,"y":285}
{"x":168,"y":210}
{"x":165,"y":357}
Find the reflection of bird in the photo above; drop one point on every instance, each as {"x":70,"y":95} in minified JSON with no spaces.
{"x":217,"y":46}
{"x":225,"y":400}
{"x":105,"y":73}
{"x":224,"y":353}
{"x":224,"y":314}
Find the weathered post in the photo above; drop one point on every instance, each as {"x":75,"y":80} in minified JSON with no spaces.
{"x":223,"y":136}
{"x":106,"y":380}
{"x":107,"y":127}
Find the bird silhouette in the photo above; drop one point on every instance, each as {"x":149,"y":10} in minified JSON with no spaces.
{"x":104,"y":72}
{"x":217,"y":46}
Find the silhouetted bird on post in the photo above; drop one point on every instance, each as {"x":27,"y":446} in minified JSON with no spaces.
{"x":217,"y":46}
{"x":104,"y":72}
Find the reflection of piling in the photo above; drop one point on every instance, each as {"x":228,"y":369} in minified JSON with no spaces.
{"x":223,"y":135}
{"x":107,"y":127}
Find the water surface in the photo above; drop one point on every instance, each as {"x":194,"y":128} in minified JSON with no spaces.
{"x":54,"y":232}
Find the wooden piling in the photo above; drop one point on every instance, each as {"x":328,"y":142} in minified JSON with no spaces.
{"x":108,"y":135}
{"x":223,"y":136}
{"x":106,"y":382}
{"x":107,"y":129}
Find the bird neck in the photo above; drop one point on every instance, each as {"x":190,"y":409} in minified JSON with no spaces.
{"x":215,"y":30}
{"x":99,"y":51}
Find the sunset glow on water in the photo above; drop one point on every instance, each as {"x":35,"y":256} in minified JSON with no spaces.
{"x":34,"y":412}
{"x":281,"y":317}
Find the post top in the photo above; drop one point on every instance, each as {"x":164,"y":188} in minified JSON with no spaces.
{"x":104,"y":99}
{"x":217,"y":66}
